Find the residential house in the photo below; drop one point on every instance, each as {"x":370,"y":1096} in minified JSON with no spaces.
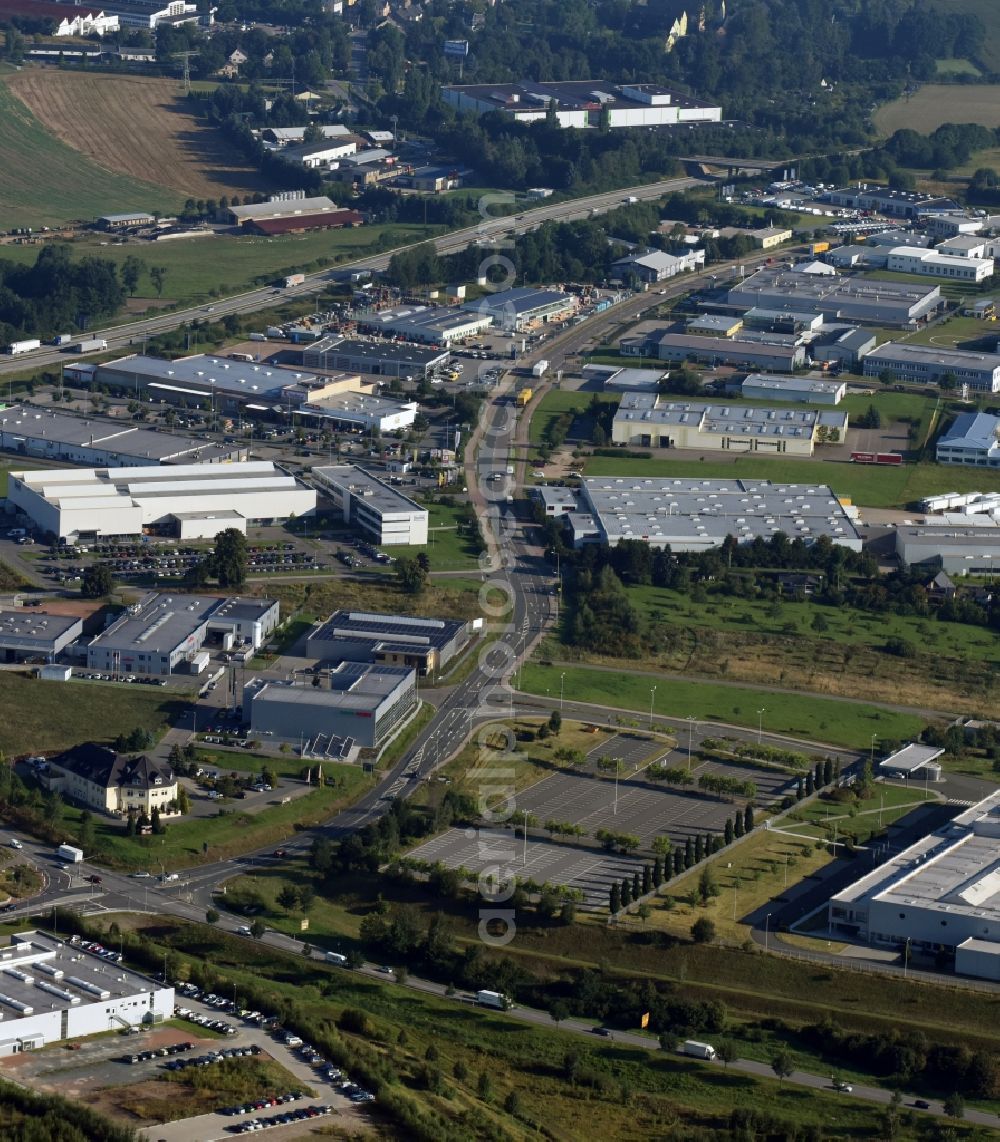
{"x":114,"y":783}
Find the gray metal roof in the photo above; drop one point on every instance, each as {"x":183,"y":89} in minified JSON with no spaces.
{"x":972,"y":430}
{"x":159,"y":624}
{"x":408,"y":629}
{"x":374,"y":493}
{"x":23,"y":627}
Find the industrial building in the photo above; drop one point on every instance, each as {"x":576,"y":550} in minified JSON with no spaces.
{"x":128,"y":220}
{"x":912,"y":761}
{"x":30,"y":633}
{"x":613,"y":379}
{"x":842,"y":347}
{"x":967,"y":547}
{"x":294,"y":205}
{"x":385,"y":515}
{"x":939,"y":895}
{"x":52,"y":991}
{"x":714,"y":325}
{"x":375,"y":358}
{"x":426,"y":645}
{"x":365,"y":704}
{"x":808,"y":390}
{"x":885,"y":200}
{"x":587,"y":103}
{"x":649,"y":421}
{"x":524,"y":308}
{"x":696,"y":515}
{"x":652,"y":266}
{"x":431,"y":324}
{"x":855,"y":300}
{"x":113,"y":783}
{"x":972,"y":439}
{"x":741,"y":352}
{"x":362,"y":411}
{"x":104,"y":443}
{"x":165,"y":633}
{"x":928,"y":364}
{"x":190,"y":501}
{"x":935,"y":264}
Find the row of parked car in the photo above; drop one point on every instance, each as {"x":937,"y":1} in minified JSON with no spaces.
{"x":214,"y":1057}
{"x":141,"y":679}
{"x":95,"y":949}
{"x":263,"y":1103}
{"x":160,"y":1053}
{"x":326,"y":1070}
{"x":300,"y":1114}
{"x":206,"y":1021}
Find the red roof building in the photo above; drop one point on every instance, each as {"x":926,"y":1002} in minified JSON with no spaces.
{"x":273,"y":226}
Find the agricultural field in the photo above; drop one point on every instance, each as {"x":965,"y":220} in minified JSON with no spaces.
{"x":35,"y":190}
{"x":873,"y":487}
{"x":937,"y":103}
{"x":138,"y":127}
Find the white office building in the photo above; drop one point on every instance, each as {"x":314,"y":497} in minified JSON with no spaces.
{"x":188,"y":500}
{"x":910,"y":260}
{"x":808,"y":390}
{"x":927,"y":363}
{"x":51,"y":990}
{"x":385,"y":515}
{"x":941,"y":894}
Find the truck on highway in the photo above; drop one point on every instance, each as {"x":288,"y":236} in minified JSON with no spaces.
{"x":62,"y":339}
{"x":697,"y":1050}
{"x":70,"y":853}
{"x":91,"y":345}
{"x":336,"y":958}
{"x":293,"y":280}
{"x":538,"y":369}
{"x":631,"y":198}
{"x":16,"y":348}
{"x":495,"y":999}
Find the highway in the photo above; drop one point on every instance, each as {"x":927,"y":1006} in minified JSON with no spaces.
{"x":131,"y":336}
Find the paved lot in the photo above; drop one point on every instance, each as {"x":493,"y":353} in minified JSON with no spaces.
{"x":638,"y":807}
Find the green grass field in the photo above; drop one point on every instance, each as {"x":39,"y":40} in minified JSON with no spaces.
{"x":801,"y":715}
{"x":450,"y":547}
{"x":873,"y":487}
{"x":555,"y":403}
{"x":38,"y":715}
{"x":43,"y":182}
{"x":937,"y":103}
{"x":200,"y":267}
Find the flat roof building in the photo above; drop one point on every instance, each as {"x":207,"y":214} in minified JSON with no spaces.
{"x":929,"y":365}
{"x":524,"y":307}
{"x":282,"y":207}
{"x":697,"y":515}
{"x":959,"y":548}
{"x":972,"y":439}
{"x":587,"y":103}
{"x":363,"y":703}
{"x":809,"y":390}
{"x":614,"y":379}
{"x":383,"y":513}
{"x":154,"y":636}
{"x":912,"y":760}
{"x":363,"y":411}
{"x":31,"y":633}
{"x":714,"y":325}
{"x":941,"y":894}
{"x":424,"y":644}
{"x":856,"y":300}
{"x":737,"y":351}
{"x":192,"y":500}
{"x":650,"y":421}
{"x":652,"y":266}
{"x":104,"y":443}
{"x":53,"y":990}
{"x":431,"y":324}
{"x":375,"y":358}
{"x":939,"y":264}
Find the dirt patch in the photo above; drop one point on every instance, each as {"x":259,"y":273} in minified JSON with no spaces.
{"x":145,"y":304}
{"x":136,"y":126}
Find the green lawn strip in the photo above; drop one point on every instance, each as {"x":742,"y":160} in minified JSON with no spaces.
{"x":37,"y":716}
{"x":801,"y":715}
{"x":450,"y":546}
{"x":844,"y":625}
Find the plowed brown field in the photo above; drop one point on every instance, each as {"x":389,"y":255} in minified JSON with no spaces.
{"x":136,"y":126}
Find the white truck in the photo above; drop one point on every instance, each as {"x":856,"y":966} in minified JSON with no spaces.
{"x":538,"y":368}
{"x":494,"y":999}
{"x":294,"y":280}
{"x":15,"y":348}
{"x":697,"y":1050}
{"x":91,"y":345}
{"x":336,"y":958}
{"x":70,"y":853}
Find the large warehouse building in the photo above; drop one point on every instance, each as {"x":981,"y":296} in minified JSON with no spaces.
{"x":52,"y":991}
{"x":929,"y":365}
{"x":431,"y":324}
{"x":374,"y":358}
{"x":426,"y":645}
{"x":385,"y":515}
{"x":942,"y":894}
{"x":191,"y":501}
{"x":364,"y":704}
{"x":971,"y":547}
{"x":104,"y":443}
{"x":583,"y":103}
{"x":846,"y":299}
{"x":696,"y":515}
{"x":649,"y":421}
{"x":769,"y":352}
{"x":524,"y":308}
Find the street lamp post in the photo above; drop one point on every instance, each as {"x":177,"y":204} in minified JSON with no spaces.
{"x":760,"y":724}
{"x":767,"y":923}
{"x":562,"y":687}
{"x":652,"y":698}
{"x":524,"y":851}
{"x":692,"y":721}
{"x":871,"y":756}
